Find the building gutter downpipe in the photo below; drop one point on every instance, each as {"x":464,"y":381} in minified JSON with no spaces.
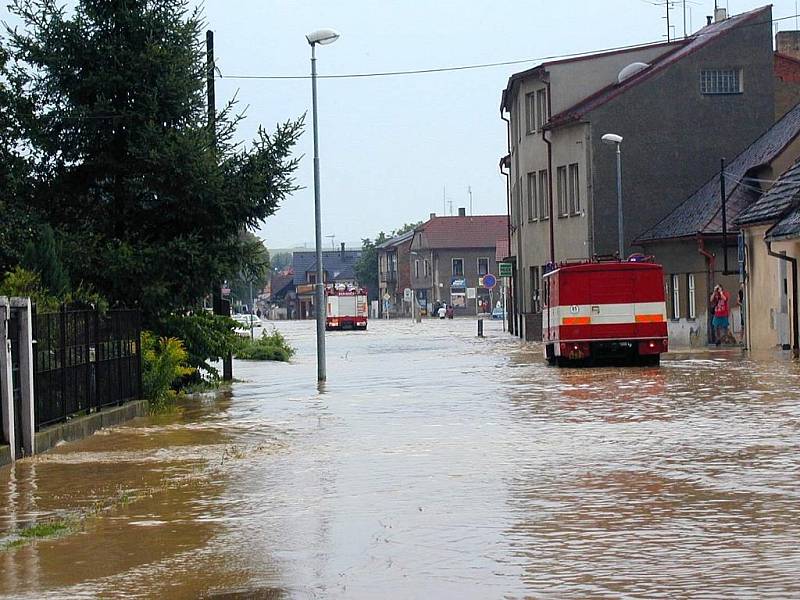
{"x":793,"y":262}
{"x":550,"y":180}
{"x":710,"y":262}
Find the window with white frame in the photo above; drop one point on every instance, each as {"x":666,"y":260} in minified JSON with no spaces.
{"x":676,"y":296}
{"x":721,"y":81}
{"x":426,"y":267}
{"x":416,"y":268}
{"x":561,"y":191}
{"x":533,"y":209}
{"x":574,"y":190}
{"x":691,"y":297}
{"x":535,"y":287}
{"x":530,"y":112}
{"x":483,"y":266}
{"x":458,"y":267}
{"x":541,"y":108}
{"x":544,"y":195}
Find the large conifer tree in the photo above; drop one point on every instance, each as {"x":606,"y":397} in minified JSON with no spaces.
{"x":148,"y":203}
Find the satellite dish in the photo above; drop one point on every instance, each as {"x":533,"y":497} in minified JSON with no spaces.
{"x":631,"y":70}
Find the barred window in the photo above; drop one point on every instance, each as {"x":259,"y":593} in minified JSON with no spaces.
{"x":721,"y":81}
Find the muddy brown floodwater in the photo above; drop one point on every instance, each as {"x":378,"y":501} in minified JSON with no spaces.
{"x":433,"y":464}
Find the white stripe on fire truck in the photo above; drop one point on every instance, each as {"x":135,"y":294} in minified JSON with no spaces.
{"x":607,"y":314}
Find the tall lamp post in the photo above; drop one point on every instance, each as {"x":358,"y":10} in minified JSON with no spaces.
{"x":616,"y":140}
{"x":322,"y":37}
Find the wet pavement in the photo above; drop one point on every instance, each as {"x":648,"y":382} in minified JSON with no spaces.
{"x":432,"y":464}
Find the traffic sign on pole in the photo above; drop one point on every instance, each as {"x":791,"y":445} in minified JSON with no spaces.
{"x":506,"y":269}
{"x":489,"y":281}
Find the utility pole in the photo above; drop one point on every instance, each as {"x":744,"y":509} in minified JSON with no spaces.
{"x":684,"y":19}
{"x":444,"y":200}
{"x":469,"y":191}
{"x":221,"y":306}
{"x":667,"y":5}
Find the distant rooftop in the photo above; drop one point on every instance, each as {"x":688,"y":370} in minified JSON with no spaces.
{"x":479,"y":231}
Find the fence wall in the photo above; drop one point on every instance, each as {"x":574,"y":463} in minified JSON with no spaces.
{"x":84,"y":361}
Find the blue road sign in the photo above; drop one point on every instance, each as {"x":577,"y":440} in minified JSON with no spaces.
{"x":489,"y":281}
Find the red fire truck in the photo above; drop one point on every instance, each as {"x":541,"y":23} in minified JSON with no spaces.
{"x":347,"y":307}
{"x":612,"y":309}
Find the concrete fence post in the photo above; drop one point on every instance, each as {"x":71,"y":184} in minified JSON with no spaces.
{"x":6,"y":383}
{"x":26,"y":358}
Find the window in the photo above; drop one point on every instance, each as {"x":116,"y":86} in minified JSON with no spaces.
{"x":312,"y":278}
{"x":574,"y":190}
{"x":721,"y":81}
{"x":535,"y":287}
{"x":544,"y":196}
{"x":676,"y":297}
{"x":530,"y":106}
{"x":533,"y":209}
{"x":561,"y":191}
{"x":541,"y":108}
{"x":426,"y":267}
{"x":416,"y":268}
{"x":458,"y":267}
{"x":691,"y":302}
{"x":483,"y":266}
{"x":392,"y":260}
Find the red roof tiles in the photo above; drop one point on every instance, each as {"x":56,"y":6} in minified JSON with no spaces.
{"x":464,"y":232}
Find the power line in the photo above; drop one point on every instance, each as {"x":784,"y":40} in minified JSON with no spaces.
{"x":477,"y":65}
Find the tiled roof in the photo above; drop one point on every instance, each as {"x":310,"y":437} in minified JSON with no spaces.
{"x":339,"y":265}
{"x":693,"y":43}
{"x":775,"y":202}
{"x":588,"y":56}
{"x":787,"y":228}
{"x":464,"y":232}
{"x":279,"y":283}
{"x":701,"y":212}
{"x":396,"y":240}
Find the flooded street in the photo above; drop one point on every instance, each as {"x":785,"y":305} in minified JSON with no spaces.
{"x":433,"y":464}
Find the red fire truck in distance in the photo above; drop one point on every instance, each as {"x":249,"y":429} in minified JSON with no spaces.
{"x":347,"y":307}
{"x":612,"y":309}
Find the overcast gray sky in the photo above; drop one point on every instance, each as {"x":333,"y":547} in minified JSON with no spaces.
{"x":390,"y":145}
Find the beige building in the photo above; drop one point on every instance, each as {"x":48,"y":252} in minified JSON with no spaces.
{"x":771,"y":229}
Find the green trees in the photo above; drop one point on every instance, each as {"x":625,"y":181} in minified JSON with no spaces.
{"x":146,"y":201}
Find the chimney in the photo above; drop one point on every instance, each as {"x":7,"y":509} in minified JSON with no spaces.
{"x":720,"y":14}
{"x":433,"y":215}
{"x":462,"y":212}
{"x":788,"y":43}
{"x":709,"y":18}
{"x":342,"y":247}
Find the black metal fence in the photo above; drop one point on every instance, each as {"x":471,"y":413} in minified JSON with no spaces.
{"x":85,"y":361}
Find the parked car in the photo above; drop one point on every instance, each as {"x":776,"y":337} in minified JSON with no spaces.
{"x":245,"y":322}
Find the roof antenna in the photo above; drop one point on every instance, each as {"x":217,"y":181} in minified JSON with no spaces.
{"x":469,"y":191}
{"x":333,"y":241}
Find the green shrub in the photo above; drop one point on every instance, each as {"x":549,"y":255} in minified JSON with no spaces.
{"x":206,"y":337}
{"x":163,"y":367}
{"x":268,"y":347}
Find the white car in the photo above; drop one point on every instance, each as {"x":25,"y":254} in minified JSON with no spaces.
{"x":245,"y":323}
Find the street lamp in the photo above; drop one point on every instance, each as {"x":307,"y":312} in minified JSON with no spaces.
{"x":614,"y":139}
{"x":322,"y":36}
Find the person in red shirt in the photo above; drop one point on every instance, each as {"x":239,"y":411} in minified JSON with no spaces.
{"x":720,"y":300}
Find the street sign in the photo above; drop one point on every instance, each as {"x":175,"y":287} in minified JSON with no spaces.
{"x":387,"y":297}
{"x":226,"y":291}
{"x":489,"y":281}
{"x":506,"y":269}
{"x":407,"y":294}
